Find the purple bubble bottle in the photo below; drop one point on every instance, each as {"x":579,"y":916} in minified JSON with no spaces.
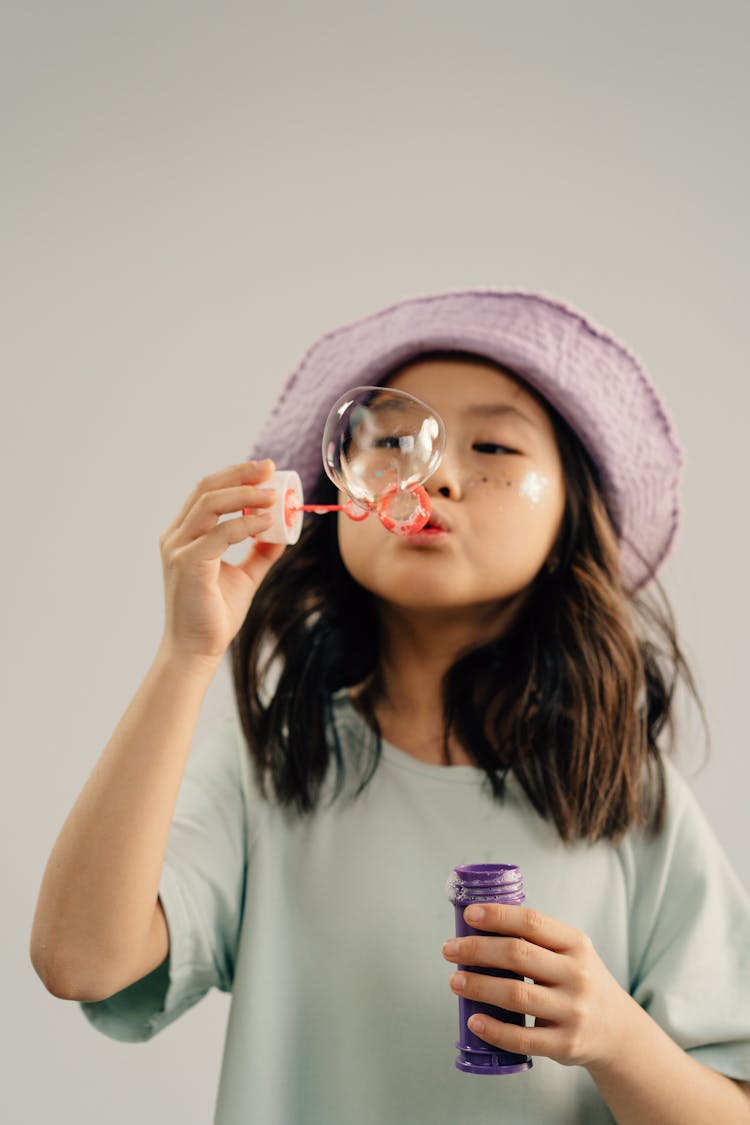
{"x":485,"y":882}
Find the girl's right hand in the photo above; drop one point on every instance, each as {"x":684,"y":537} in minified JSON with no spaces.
{"x":206,"y":600}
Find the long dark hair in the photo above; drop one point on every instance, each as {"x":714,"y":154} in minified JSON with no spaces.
{"x":573,"y":699}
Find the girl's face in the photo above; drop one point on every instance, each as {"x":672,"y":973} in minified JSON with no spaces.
{"x":499,"y":493}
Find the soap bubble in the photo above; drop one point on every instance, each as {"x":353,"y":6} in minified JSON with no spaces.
{"x":379,"y":442}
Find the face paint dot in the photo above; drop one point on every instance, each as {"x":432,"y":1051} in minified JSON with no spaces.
{"x":533,"y":485}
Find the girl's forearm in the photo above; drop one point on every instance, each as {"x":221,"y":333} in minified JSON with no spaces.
{"x":652,"y":1081}
{"x":96,"y":906}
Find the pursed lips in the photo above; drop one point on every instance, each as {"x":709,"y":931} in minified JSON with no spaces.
{"x":436,"y":522}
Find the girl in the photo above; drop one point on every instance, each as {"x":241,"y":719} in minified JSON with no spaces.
{"x":493,"y":689}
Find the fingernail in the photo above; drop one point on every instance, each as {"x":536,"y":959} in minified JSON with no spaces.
{"x":451,"y":948}
{"x":474,"y":914}
{"x":458,"y":982}
{"x":476,"y":1023}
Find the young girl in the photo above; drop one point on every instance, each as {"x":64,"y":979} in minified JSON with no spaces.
{"x":491,"y":690}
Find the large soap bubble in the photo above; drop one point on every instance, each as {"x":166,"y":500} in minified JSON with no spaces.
{"x":379,"y":446}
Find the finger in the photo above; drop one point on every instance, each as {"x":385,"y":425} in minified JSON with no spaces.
{"x":246,"y":472}
{"x":208,"y":508}
{"x":524,"y":997}
{"x":515,"y":955}
{"x":212,"y":545}
{"x":523,"y":922}
{"x":511,"y":1037}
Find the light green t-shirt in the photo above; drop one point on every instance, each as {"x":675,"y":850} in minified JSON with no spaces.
{"x":328,"y":932}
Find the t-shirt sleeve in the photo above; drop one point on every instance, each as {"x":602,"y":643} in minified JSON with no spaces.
{"x":202,"y":889}
{"x":690,"y":933}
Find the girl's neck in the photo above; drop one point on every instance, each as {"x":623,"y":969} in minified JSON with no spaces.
{"x":416,"y":652}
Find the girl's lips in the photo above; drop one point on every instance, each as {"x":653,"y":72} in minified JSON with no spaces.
{"x":436,"y":522}
{"x":429,"y":535}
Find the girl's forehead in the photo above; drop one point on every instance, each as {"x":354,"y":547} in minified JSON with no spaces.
{"x":465,"y":385}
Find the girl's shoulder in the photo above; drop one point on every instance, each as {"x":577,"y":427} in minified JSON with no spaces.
{"x":681,"y":801}
{"x":685,"y":852}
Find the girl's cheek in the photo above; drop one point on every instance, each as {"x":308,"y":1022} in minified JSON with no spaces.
{"x":535,"y":488}
{"x":534,"y":502}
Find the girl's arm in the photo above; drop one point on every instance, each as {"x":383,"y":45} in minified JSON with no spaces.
{"x":99,"y":925}
{"x":585,"y":1018}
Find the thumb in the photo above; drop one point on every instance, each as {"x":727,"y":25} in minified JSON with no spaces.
{"x":259,"y":560}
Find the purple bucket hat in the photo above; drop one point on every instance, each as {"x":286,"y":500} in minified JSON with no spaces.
{"x":592,"y":380}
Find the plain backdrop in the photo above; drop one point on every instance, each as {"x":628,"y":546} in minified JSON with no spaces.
{"x":191,"y":194}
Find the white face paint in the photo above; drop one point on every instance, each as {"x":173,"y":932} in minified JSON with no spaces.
{"x":533,"y":485}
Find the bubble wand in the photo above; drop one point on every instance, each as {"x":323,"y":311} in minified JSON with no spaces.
{"x":379,"y":446}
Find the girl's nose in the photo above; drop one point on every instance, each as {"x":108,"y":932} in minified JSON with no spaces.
{"x":446,"y":480}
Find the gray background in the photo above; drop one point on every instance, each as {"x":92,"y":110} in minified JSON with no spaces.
{"x":192,"y":193}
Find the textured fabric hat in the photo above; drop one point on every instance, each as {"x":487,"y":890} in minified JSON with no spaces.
{"x":592,"y":380}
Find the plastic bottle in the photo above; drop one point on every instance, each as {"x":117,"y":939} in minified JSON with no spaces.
{"x":485,"y":882}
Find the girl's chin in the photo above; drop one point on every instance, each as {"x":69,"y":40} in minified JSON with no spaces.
{"x":442,"y":596}
{"x":426,"y":601}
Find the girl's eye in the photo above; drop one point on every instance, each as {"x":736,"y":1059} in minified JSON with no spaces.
{"x":492,"y":447}
{"x":395,"y":441}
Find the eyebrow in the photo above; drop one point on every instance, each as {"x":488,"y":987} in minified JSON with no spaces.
{"x":493,"y":409}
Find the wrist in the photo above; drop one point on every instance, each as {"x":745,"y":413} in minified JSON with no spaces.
{"x":626,"y":1023}
{"x":199,"y":666}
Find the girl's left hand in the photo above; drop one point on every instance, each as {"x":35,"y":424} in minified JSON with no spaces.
{"x":577,"y":1002}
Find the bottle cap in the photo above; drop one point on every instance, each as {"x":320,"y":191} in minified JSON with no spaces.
{"x":287,"y":518}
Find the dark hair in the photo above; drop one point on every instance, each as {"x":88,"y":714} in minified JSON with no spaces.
{"x":572,"y":699}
